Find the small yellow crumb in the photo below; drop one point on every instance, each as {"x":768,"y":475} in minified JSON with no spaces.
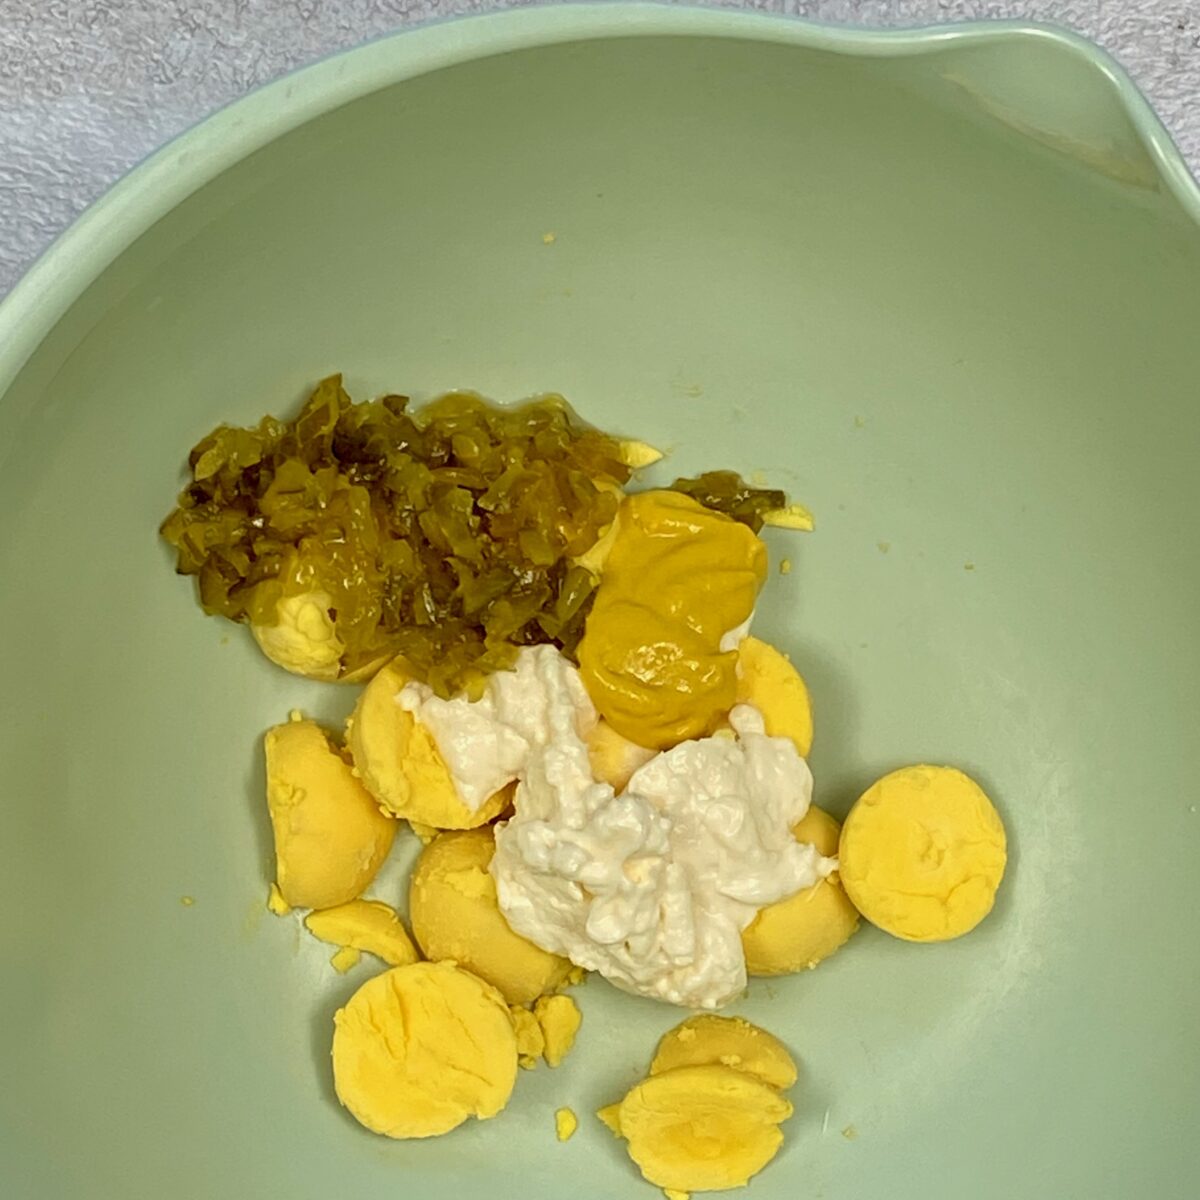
{"x":425,"y":832}
{"x":576,"y":975}
{"x":785,"y":566}
{"x":884,"y":547}
{"x":849,"y":1133}
{"x":565,"y":1123}
{"x":295,"y":715}
{"x":968,"y":566}
{"x":346,"y":958}
{"x":636,"y":455}
{"x":794,"y":516}
{"x":548,"y":239}
{"x":276,"y":903}
{"x":675,"y":1194}
{"x":187,"y":901}
{"x":530,"y":1039}
{"x":560,"y":1018}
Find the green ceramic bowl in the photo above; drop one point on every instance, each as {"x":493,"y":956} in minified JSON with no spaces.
{"x":943,"y":285}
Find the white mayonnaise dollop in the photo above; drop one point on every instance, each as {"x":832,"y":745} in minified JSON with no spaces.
{"x":487,"y":743}
{"x":651,"y":887}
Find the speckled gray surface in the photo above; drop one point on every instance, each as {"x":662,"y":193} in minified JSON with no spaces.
{"x":89,"y":87}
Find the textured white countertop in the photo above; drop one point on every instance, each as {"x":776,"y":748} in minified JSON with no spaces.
{"x":89,"y":87}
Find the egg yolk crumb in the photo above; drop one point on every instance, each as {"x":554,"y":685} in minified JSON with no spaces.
{"x":330,"y":837}
{"x":559,"y":1018}
{"x":565,"y":1123}
{"x":398,"y":761}
{"x":456,"y":916}
{"x":345,"y":959}
{"x":531,"y":1042}
{"x":365,"y":925}
{"x":797,"y":933}
{"x":420,"y":1049}
{"x":922,"y":853}
{"x":677,"y":580}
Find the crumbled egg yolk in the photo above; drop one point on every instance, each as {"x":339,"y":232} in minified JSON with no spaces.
{"x":677,"y":579}
{"x":303,"y":639}
{"x":421,"y":1048}
{"x":455,"y":916}
{"x":397,"y":759}
{"x":559,"y":1018}
{"x":330,"y":837}
{"x":565,"y":1123}
{"x":922,"y":853}
{"x":531,"y":1042}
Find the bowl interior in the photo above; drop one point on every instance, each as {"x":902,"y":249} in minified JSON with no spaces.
{"x":974,"y":357}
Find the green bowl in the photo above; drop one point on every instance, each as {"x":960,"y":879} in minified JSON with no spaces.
{"x":943,"y":286}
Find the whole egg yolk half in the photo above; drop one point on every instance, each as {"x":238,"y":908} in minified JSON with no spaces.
{"x":677,"y":579}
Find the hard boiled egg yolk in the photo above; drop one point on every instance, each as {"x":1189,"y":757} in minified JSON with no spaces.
{"x":922,"y":854}
{"x":766,"y":679}
{"x":455,"y":915}
{"x":708,"y":1116}
{"x":365,"y":925}
{"x":797,"y":933}
{"x":677,"y":579}
{"x":397,"y":759}
{"x":701,"y":1128}
{"x":330,"y":837}
{"x":730,"y":1041}
{"x":559,"y":1019}
{"x":419,"y":1049}
{"x":303,"y":639}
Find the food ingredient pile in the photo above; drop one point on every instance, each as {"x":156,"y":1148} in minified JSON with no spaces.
{"x":562,"y":699}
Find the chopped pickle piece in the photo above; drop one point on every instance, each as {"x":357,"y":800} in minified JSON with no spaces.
{"x":727,"y":492}
{"x":447,"y":536}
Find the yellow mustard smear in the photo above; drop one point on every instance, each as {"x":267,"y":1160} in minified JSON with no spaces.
{"x":677,"y":578}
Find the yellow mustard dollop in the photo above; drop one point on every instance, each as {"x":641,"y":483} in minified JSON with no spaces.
{"x":677,"y":579}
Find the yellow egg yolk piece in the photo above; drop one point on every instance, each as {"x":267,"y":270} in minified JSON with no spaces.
{"x":922,"y":854}
{"x":797,"y":933}
{"x":419,"y":1049}
{"x":678,"y":578}
{"x":345,"y":959}
{"x":767,"y":680}
{"x":303,"y":639}
{"x":614,"y":758}
{"x":455,"y":915}
{"x":330,"y":837}
{"x":702,"y":1128}
{"x":366,"y":925}
{"x":565,"y":1123}
{"x":559,"y":1018}
{"x":398,"y":761}
{"x":728,"y":1041}
{"x":531,"y":1042}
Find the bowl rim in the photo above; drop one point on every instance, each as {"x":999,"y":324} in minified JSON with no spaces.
{"x":152,"y":188}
